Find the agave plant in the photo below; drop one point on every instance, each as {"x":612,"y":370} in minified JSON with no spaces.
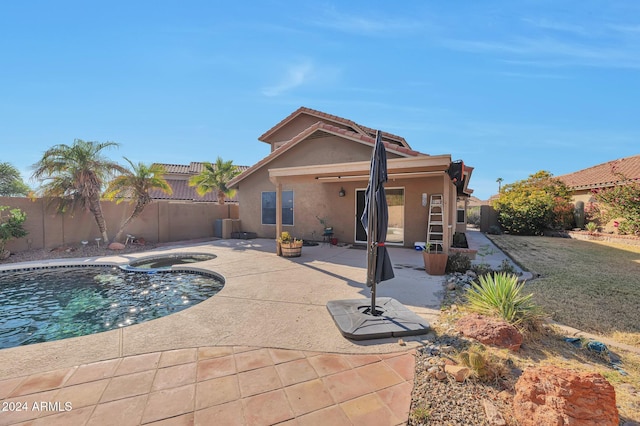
{"x":500,"y":295}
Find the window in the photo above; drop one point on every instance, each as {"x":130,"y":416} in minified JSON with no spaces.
{"x":461,"y":216}
{"x":269,"y":208}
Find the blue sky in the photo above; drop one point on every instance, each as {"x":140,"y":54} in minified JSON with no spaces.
{"x":509,"y":87}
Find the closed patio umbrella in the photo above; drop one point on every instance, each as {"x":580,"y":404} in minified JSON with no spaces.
{"x":375,"y":219}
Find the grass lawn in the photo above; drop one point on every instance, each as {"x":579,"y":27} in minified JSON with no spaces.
{"x":592,"y":286}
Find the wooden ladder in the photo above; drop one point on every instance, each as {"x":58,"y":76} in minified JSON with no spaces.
{"x":435,"y":226}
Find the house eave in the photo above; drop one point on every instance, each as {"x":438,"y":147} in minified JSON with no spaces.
{"x":397,"y":168}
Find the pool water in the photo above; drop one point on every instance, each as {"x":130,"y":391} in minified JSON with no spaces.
{"x":165,"y":262}
{"x":52,"y":304}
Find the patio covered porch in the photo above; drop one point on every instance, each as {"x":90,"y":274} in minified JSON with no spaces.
{"x":335,"y":192}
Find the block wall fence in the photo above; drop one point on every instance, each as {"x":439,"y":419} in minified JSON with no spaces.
{"x":160,"y":222}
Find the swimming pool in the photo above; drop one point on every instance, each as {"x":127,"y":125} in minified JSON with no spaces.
{"x":50,"y":304}
{"x":168,"y":260}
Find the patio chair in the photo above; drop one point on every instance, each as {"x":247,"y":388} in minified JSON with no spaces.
{"x":327,"y":235}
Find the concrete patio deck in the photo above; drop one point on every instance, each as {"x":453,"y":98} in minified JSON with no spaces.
{"x":262,"y":351}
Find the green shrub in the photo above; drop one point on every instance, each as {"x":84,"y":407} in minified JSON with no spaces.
{"x":458,"y":262}
{"x":482,"y":269}
{"x":592,"y":227}
{"x":11,"y":226}
{"x":500,"y":295}
{"x":623,"y":201}
{"x":473,"y":215}
{"x":530,"y":206}
{"x":494,"y":230}
{"x":507,"y":267}
{"x":482,"y":364}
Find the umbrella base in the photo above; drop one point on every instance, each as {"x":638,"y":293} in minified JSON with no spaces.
{"x":355,"y":321}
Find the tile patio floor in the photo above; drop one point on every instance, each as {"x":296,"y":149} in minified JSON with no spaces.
{"x":215,"y":363}
{"x":223,"y":385}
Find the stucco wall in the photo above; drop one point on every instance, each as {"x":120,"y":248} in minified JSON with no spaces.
{"x":584,"y":195}
{"x":161,"y":221}
{"x":295,"y":127}
{"x":313,"y":198}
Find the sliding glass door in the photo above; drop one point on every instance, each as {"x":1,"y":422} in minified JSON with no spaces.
{"x":395,"y":230}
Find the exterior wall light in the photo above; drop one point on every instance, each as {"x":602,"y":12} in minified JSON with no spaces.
{"x":341,"y":193}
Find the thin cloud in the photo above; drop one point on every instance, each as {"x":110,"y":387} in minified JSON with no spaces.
{"x":366,"y":26}
{"x":553,"y":52}
{"x":295,"y":76}
{"x":533,"y":75}
{"x":632,"y":30}
{"x":560,"y":27}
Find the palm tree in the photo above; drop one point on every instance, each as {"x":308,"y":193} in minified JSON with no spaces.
{"x":11,"y":183}
{"x":499,"y":180}
{"x":75,"y":175}
{"x":133,"y":186}
{"x":215,"y":177}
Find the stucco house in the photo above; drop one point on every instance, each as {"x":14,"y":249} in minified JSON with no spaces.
{"x":605,"y":175}
{"x":318,"y":168}
{"x":177,"y":176}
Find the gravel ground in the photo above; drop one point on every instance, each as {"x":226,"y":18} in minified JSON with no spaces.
{"x":73,"y":252}
{"x":443,"y":401}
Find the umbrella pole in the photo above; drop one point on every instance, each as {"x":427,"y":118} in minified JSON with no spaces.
{"x":373,"y":249}
{"x":373,"y":298}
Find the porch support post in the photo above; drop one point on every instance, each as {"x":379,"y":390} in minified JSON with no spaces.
{"x":446,"y":210}
{"x":278,"y":215}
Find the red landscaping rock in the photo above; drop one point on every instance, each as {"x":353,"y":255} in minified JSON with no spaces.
{"x":458,"y":372}
{"x":490,"y":331}
{"x":554,"y":396}
{"x":116,"y":246}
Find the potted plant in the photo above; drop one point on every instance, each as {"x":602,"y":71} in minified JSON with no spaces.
{"x":289,"y":246}
{"x":435,"y":262}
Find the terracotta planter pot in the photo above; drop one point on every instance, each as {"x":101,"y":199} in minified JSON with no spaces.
{"x":435,"y":263}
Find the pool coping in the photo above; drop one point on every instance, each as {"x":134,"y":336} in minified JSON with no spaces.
{"x":274,"y":313}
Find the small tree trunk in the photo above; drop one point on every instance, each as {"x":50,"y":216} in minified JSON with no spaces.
{"x":136,"y":212}
{"x":221,"y":197}
{"x":96,"y":209}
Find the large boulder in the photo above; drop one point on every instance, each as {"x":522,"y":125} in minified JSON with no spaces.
{"x":551,"y":395}
{"x":116,"y":246}
{"x":490,"y":331}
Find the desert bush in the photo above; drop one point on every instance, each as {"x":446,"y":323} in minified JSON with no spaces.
{"x":11,"y":226}
{"x":494,"y":230}
{"x":482,"y":364}
{"x":507,"y":267}
{"x":500,"y":295}
{"x":530,"y":206}
{"x":482,"y":269}
{"x":458,"y":262}
{"x":623,"y":201}
{"x":473,"y":215}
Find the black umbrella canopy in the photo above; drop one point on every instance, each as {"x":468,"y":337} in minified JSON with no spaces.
{"x":375,"y":219}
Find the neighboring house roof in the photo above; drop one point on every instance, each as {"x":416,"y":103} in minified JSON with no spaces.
{"x":177,"y":175}
{"x":604,"y":175}
{"x":328,"y":129}
{"x":475,"y":201}
{"x":323,"y":116}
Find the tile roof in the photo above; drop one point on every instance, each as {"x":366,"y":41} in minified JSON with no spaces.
{"x":326,"y":128}
{"x":605,"y":174}
{"x":180,"y":185}
{"x":192,"y":168}
{"x":358,"y":128}
{"x":183,"y":192}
